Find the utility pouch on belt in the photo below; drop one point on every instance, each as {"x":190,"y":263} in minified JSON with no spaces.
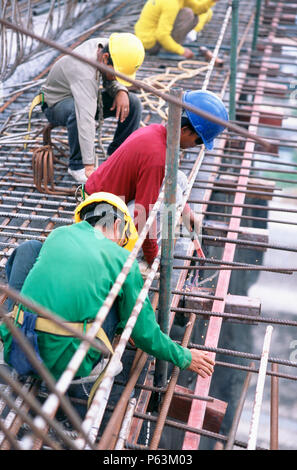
{"x":18,"y":358}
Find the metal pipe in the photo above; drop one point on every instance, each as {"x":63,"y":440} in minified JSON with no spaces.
{"x":233,"y":61}
{"x":259,"y":391}
{"x":274,"y":405}
{"x":168,"y":228}
{"x":124,"y":431}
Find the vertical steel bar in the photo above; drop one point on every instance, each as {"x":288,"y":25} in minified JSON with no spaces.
{"x":274,"y":409}
{"x":125,"y":429}
{"x":236,"y":419}
{"x":197,"y":414}
{"x":259,"y":391}
{"x":233,"y":60}
{"x":256,"y":25}
{"x":168,"y":227}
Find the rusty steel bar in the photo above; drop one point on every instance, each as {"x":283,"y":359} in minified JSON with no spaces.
{"x":10,"y":436}
{"x":35,"y":406}
{"x":194,"y":430}
{"x":26,"y":418}
{"x":247,"y":369}
{"x":258,"y":319}
{"x":220,"y":261}
{"x":238,"y":268}
{"x":41,"y":370}
{"x":163,"y":390}
{"x":248,"y":243}
{"x":216,"y":187}
{"x":246,"y":217}
{"x":230,"y":165}
{"x":237,"y":415}
{"x":253,"y":177}
{"x":138,"y":84}
{"x":183,"y":293}
{"x":230,"y":352}
{"x":244,"y":206}
{"x":274,"y":409}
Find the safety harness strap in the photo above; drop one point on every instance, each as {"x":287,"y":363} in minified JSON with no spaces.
{"x":45,"y":325}
{"x":39,"y":99}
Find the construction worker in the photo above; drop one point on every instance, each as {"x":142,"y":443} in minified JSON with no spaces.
{"x":75,"y":94}
{"x":164,"y":24}
{"x":135,"y":171}
{"x":74,"y":271}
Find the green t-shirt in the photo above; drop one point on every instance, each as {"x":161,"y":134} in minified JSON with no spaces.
{"x":72,"y":276}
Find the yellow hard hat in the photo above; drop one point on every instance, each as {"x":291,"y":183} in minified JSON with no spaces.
{"x":129,"y":235}
{"x":127,"y":53}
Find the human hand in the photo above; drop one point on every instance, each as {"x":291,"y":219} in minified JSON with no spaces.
{"x":201,"y":363}
{"x":89,"y":170}
{"x":188,"y":54}
{"x":192,"y":221}
{"x":121,"y":105}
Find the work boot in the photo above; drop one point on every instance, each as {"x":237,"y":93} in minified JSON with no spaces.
{"x":78,"y":175}
{"x":208,"y":56}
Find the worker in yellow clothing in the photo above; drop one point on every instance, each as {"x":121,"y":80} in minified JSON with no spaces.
{"x":165,"y":24}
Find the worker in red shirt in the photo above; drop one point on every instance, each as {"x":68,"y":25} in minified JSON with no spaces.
{"x":135,"y":171}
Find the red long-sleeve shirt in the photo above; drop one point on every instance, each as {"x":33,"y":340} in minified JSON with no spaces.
{"x":136,"y":171}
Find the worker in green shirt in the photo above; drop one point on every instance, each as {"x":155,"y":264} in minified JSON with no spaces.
{"x":74,"y":271}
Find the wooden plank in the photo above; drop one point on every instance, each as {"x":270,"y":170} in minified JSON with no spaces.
{"x":180,"y":409}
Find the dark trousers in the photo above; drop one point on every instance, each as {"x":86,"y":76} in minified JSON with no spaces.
{"x":63,"y":114}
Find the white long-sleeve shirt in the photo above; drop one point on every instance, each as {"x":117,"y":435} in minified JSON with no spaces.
{"x":70,"y":77}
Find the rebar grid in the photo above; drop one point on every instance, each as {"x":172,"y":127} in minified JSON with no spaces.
{"x":52,"y":220}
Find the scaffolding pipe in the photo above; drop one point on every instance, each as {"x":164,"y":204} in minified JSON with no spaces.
{"x":256,"y":25}
{"x":259,"y":390}
{"x":168,"y":229}
{"x":233,"y":61}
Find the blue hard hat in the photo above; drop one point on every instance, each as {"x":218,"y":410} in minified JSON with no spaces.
{"x":211,"y":103}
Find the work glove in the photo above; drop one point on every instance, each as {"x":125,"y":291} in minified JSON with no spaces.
{"x":145,"y":268}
